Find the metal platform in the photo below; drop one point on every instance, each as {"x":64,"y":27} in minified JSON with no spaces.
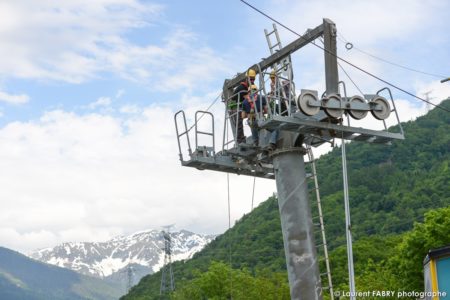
{"x":232,"y":161}
{"x":320,"y":132}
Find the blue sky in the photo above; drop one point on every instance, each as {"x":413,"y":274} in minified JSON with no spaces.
{"x":88,"y":90}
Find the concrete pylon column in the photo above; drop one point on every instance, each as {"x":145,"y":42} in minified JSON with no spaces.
{"x":296,"y":224}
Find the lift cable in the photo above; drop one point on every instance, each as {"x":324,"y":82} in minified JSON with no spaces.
{"x":229,"y":227}
{"x":346,"y":61}
{"x":253,"y":193}
{"x":348,"y":76}
{"x":350,"y":46}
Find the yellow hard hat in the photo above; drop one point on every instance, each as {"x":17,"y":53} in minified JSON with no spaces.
{"x":272,"y":74}
{"x":251,"y":73}
{"x":253,"y":87}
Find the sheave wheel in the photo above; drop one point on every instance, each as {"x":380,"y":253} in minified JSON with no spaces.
{"x":333,"y":100}
{"x":385,"y":111}
{"x":302,"y":103}
{"x":357,"y":114}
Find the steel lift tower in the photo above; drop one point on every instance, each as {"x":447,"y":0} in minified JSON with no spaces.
{"x":167,"y":285}
{"x":308,"y":121}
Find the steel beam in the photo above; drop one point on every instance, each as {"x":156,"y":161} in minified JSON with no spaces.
{"x":302,"y":41}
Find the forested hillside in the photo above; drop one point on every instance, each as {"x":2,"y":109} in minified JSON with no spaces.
{"x":28,"y":279}
{"x":391,"y":187}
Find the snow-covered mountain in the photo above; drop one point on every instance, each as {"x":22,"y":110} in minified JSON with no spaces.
{"x":143,"y":251}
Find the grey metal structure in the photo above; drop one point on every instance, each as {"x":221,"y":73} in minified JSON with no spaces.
{"x":348,"y":226}
{"x":309,"y":121}
{"x":130,"y":275}
{"x":167,"y":285}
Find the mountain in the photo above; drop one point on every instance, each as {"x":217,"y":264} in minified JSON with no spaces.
{"x":142,"y":251}
{"x":25,"y":278}
{"x":391,"y":188}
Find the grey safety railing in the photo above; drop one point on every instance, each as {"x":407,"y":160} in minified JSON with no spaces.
{"x":199,"y":132}
{"x":179,"y":135}
{"x":394,"y":109}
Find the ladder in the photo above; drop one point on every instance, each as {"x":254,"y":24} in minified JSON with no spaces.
{"x":284,"y":81}
{"x":320,"y":225}
{"x":285,"y":66}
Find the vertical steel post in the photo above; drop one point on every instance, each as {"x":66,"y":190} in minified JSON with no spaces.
{"x":348,"y":226}
{"x":331,"y":67}
{"x":296,"y":224}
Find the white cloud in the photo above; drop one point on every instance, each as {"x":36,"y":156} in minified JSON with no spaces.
{"x":62,"y":42}
{"x":76,"y":41}
{"x":14,"y":99}
{"x":367,"y":22}
{"x":89,"y":177}
{"x":130,"y":109}
{"x":100,"y":102}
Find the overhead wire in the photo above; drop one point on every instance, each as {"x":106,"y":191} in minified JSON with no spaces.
{"x":344,"y":60}
{"x":344,"y":40}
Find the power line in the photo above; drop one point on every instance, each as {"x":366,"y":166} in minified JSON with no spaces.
{"x":344,"y":40}
{"x":344,"y":60}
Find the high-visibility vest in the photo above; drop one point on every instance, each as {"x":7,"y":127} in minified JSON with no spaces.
{"x":232,"y":104}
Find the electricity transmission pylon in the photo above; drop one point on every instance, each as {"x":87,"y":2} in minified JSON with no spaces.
{"x":167,"y":285}
{"x":129,"y":278}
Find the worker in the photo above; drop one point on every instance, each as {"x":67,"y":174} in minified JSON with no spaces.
{"x":275,"y":98}
{"x":254,"y":108}
{"x":235,"y":105}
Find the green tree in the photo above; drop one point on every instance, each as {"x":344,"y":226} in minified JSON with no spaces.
{"x":221,"y":282}
{"x":408,"y":262}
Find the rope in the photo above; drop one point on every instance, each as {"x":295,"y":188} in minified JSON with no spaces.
{"x":229,"y":240}
{"x":253,"y":193}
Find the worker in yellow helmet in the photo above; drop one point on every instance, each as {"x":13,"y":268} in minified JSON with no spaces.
{"x":277,"y":103}
{"x":235,"y":105}
{"x":254,"y":108}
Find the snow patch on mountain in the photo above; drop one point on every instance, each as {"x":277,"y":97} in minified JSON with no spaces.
{"x":141,"y":250}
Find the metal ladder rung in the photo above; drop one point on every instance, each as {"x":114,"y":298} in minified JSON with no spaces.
{"x":181,"y":134}
{"x":321,"y":247}
{"x":206,"y":133}
{"x":275,"y":45}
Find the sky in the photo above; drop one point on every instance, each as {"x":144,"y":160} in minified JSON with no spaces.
{"x":88,"y":91}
